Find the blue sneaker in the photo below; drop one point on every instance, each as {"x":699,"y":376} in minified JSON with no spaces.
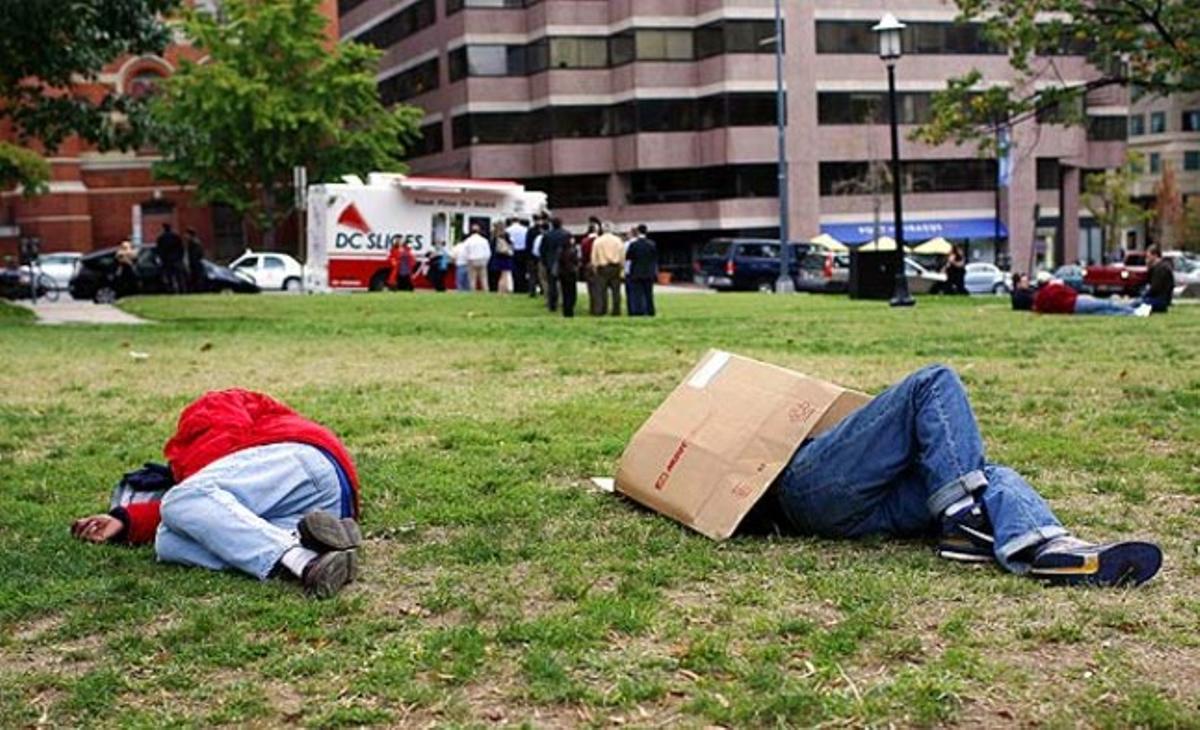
{"x":1069,"y":561}
{"x":966,"y":536}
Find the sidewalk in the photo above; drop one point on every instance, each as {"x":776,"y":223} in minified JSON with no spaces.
{"x":69,"y":311}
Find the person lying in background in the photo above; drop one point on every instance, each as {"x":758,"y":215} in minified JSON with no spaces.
{"x":1055,"y":297}
{"x":252,"y":485}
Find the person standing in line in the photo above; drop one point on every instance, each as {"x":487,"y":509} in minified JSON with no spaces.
{"x":437,"y":265}
{"x":630,"y":237}
{"x":642,"y":256}
{"x":608,"y":256}
{"x":516,"y":237}
{"x":479,"y":253}
{"x":503,"y":261}
{"x":194,"y":253}
{"x":171,"y":255}
{"x":401,"y":263}
{"x":552,"y":244}
{"x":569,"y":259}
{"x":586,"y":270}
{"x":462,"y":272}
{"x":538,"y":274}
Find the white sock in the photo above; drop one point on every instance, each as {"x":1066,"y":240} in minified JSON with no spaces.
{"x":960,"y":505}
{"x":297,"y":559}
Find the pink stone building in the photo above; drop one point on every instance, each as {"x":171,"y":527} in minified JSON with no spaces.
{"x":663,"y":112}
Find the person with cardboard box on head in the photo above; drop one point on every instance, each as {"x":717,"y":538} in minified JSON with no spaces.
{"x":742,"y":446}
{"x":911,"y":461}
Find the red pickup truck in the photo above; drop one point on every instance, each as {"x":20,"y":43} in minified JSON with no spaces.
{"x":1128,"y":278}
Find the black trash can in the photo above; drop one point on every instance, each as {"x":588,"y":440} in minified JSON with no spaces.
{"x":872,"y":274}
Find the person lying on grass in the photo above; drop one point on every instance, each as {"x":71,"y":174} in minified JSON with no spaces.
{"x":258,"y":487}
{"x":911,"y":462}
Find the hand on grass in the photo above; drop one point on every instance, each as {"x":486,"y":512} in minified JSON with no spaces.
{"x":96,"y":528}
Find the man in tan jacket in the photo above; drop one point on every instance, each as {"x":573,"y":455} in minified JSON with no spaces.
{"x":608,"y":261}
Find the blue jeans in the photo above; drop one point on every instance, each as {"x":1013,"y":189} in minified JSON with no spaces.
{"x":462,"y":278}
{"x":241,"y":510}
{"x":1092,"y":305}
{"x":893,"y":467}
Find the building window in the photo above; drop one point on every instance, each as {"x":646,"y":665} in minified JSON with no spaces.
{"x":666,"y":115}
{"x":453,"y":6}
{"x":690,"y":185}
{"x":1107,"y":129}
{"x":407,"y":84}
{"x":845,"y":37}
{"x":571,"y":122}
{"x":1158,"y":122}
{"x":572,"y":191}
{"x":408,"y":21}
{"x":836,"y":36}
{"x":430,"y":142}
{"x":579,"y":52}
{"x":1191,"y":160}
{"x":1048,"y":173}
{"x":748,"y":36}
{"x":143,"y":84}
{"x":1064,"y":112}
{"x":1191,"y":120}
{"x":1155,"y":163}
{"x":869,"y":107}
{"x":1137,"y":125}
{"x":664,"y":45}
{"x":345,"y":6}
{"x":939,"y":176}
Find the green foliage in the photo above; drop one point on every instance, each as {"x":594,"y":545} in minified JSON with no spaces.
{"x":1159,"y":42}
{"x":1109,"y":196}
{"x":47,"y":46}
{"x":19,"y":166}
{"x":273,"y":93}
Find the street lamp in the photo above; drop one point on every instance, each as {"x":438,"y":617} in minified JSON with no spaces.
{"x":889,"y":32}
{"x":784,"y":283}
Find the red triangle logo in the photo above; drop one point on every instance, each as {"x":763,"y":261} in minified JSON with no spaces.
{"x":351,"y":218}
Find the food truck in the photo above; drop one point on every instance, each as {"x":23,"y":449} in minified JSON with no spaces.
{"x":352,"y":225}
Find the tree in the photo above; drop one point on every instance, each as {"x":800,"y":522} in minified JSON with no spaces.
{"x":1153,"y":45}
{"x":1168,"y":207}
{"x":1189,"y":227}
{"x":271,"y":95}
{"x":46,"y":49}
{"x":1109,"y":196}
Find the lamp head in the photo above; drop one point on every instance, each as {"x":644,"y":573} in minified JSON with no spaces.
{"x":889,"y":30}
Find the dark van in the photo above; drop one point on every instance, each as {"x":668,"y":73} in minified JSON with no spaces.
{"x":745,"y":264}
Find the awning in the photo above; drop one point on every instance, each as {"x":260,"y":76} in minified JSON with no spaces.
{"x":829,"y":243}
{"x":934,"y":246}
{"x":915,"y":230}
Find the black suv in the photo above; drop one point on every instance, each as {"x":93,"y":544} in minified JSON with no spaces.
{"x":745,"y":263}
{"x":97,"y":277}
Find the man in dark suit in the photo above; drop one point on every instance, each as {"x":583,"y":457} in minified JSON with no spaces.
{"x":643,"y":270}
{"x":171,"y":254}
{"x":553,"y":242}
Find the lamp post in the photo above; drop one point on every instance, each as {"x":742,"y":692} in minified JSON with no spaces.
{"x":889,"y":33}
{"x":784,"y":284}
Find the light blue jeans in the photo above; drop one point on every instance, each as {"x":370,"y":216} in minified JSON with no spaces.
{"x":897,"y":463}
{"x":241,"y":510}
{"x":1085,"y":304}
{"x":462,"y":278}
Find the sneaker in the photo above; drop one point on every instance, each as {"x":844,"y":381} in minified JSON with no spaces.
{"x":322,"y":532}
{"x":1068,"y":561}
{"x":325,"y":576}
{"x":1143,"y":310}
{"x":967,"y":536}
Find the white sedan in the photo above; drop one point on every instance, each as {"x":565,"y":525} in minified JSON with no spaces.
{"x":60,"y":266}
{"x":985,"y":279}
{"x":270,"y":270}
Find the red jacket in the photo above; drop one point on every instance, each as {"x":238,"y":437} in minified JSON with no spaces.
{"x":218,"y":424}
{"x":395,"y":256}
{"x":1055,"y":298}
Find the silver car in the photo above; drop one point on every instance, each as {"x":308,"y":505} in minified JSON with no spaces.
{"x":984,"y":278}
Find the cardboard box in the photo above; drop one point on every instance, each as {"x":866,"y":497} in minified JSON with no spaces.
{"x":711,"y":450}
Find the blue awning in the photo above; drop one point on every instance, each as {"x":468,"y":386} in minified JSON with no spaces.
{"x":915,"y":231}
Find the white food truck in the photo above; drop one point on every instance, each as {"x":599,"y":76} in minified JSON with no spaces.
{"x":352,"y":225}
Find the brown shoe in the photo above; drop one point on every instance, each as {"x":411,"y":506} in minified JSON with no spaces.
{"x":325,"y":576}
{"x":322,"y":532}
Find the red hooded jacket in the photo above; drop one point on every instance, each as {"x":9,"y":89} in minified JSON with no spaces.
{"x":218,"y":424}
{"x":1055,"y":297}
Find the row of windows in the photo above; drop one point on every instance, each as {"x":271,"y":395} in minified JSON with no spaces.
{"x":407,"y":84}
{"x":1189,"y":122}
{"x":1107,"y":129}
{"x":430,"y":142}
{"x":696,"y":184}
{"x":1191,"y":161}
{"x":933,"y":176}
{"x":869,"y":107}
{"x":572,"y":191}
{"x":645,"y":115}
{"x":649,"y":44}
{"x":453,"y":6}
{"x":856,"y":36}
{"x":414,"y":18}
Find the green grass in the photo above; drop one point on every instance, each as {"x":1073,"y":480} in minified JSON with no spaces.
{"x":497,"y":589}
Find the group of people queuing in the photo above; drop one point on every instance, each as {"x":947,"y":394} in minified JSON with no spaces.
{"x":1054,"y":296}
{"x":542,"y":258}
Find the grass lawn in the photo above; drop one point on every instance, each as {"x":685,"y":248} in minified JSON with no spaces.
{"x":497,"y":590}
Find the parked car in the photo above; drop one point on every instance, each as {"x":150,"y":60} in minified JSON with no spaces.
{"x":15,"y":284}
{"x":1127,"y":278}
{"x":822,"y":270}
{"x":270,"y":270}
{"x":984,"y":278}
{"x":97,"y":277}
{"x":1187,"y":269}
{"x":922,"y":280}
{"x":744,"y":263}
{"x":59,"y":266}
{"x":1072,"y":276}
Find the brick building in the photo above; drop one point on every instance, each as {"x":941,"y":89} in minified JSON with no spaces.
{"x":98,"y":199}
{"x":663,"y":112}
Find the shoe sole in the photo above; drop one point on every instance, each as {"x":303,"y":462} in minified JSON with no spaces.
{"x":963,"y":557}
{"x":334,"y":571}
{"x":322,"y":532}
{"x":1125,"y":563}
